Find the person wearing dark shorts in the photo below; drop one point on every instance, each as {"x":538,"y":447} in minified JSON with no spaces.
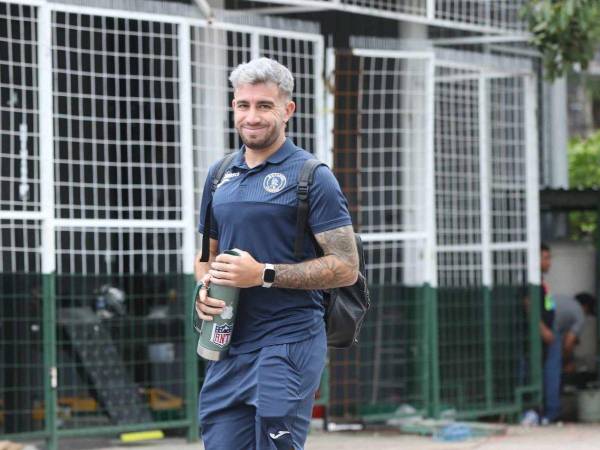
{"x":261,"y":395}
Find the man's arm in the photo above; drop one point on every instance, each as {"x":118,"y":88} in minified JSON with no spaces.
{"x":569,"y":343}
{"x":545,"y":332}
{"x":337,"y":267}
{"x":572,"y":335}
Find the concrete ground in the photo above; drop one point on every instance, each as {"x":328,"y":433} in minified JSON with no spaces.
{"x":566,"y":437}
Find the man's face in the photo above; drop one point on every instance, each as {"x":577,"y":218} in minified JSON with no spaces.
{"x":545,"y":261}
{"x":260,"y":113}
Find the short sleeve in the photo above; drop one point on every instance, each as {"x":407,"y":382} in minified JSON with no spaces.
{"x":206,"y":194}
{"x":328,"y":205}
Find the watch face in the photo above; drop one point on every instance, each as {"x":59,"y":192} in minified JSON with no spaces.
{"x":269,"y":275}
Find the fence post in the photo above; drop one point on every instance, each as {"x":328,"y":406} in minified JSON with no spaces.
{"x":487,"y":347}
{"x":431,"y":300}
{"x":48,"y":248}
{"x":535,"y":341}
{"x":50,"y":366}
{"x":485,"y":157}
{"x":187,"y":189}
{"x":191,"y":364}
{"x":533,"y":233}
{"x":424,"y":348}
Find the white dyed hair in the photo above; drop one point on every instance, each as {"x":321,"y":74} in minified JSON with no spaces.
{"x":263,"y":70}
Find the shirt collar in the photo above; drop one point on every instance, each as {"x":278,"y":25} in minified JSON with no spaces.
{"x":284,"y":152}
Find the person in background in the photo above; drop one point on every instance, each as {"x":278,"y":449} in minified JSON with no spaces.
{"x":568,"y":323}
{"x":551,"y":348}
{"x":582,"y":366}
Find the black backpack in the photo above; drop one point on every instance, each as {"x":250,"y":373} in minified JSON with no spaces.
{"x":345,"y":307}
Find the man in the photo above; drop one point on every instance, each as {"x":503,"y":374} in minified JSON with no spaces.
{"x":551,"y":348}
{"x":547,"y":302}
{"x":569,"y":321}
{"x":261,"y":395}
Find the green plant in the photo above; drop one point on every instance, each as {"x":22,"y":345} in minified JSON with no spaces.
{"x":566,"y":32}
{"x":584,"y":172}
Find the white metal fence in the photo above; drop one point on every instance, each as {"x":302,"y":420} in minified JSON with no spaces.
{"x":395,"y":172}
{"x":447,"y":198}
{"x":119,"y":114}
{"x":110,"y":121}
{"x":465,"y":197}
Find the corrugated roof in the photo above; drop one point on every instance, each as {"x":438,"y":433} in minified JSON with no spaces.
{"x":576,"y":199}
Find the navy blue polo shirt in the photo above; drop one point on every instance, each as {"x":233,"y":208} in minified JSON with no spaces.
{"x":255,"y":210}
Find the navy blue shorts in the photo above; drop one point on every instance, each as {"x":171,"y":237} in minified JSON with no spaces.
{"x":262,"y":400}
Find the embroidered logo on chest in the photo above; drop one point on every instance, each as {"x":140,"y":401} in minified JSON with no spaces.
{"x":227,"y":177}
{"x":274,"y":182}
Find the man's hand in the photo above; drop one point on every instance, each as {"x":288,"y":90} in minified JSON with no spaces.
{"x":206,"y":306}
{"x":239,"y":271}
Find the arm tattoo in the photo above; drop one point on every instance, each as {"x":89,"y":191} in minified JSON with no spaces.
{"x":337,"y":267}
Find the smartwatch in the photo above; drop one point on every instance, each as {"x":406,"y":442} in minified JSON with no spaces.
{"x":268,"y":275}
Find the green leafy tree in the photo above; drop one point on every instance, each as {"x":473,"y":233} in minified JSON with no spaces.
{"x":566,"y":32}
{"x":584,"y":172}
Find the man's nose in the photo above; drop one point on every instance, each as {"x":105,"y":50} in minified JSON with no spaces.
{"x":252,"y":115}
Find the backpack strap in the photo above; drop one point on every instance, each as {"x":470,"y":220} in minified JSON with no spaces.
{"x":305,"y":179}
{"x":221,"y":169}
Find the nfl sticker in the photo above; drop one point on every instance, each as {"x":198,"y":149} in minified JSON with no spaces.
{"x":274,"y":182}
{"x":221,"y":335}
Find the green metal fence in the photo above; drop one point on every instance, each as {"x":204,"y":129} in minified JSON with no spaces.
{"x":422,"y":351}
{"x":77,"y":362}
{"x":21,"y":353}
{"x":389,"y":367}
{"x":456,"y":352}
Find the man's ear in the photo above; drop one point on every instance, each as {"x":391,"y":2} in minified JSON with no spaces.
{"x":290,"y":107}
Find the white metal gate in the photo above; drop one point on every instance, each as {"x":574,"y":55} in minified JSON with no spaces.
{"x":111,"y":120}
{"x":447,"y":188}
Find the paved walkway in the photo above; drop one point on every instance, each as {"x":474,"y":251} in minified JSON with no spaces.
{"x":567,"y":437}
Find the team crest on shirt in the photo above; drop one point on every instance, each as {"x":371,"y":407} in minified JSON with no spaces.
{"x":221,"y":334}
{"x":274,"y":182}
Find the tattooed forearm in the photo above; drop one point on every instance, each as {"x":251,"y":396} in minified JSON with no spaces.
{"x":337,"y":267}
